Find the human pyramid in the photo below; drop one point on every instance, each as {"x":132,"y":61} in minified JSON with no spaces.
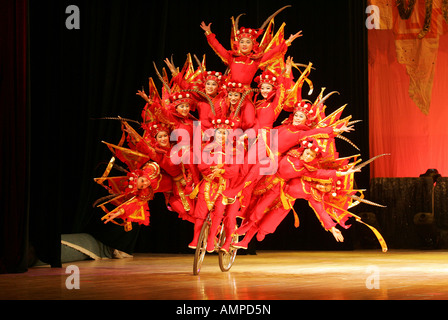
{"x":229,"y":163}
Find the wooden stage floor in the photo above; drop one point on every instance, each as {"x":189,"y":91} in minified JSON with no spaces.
{"x":280,"y":275}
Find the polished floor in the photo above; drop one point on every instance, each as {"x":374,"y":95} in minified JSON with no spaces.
{"x":281,"y":275}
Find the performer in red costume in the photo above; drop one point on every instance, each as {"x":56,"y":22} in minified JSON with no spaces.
{"x":234,"y":103}
{"x":158,"y":147}
{"x":176,"y":114}
{"x":218,"y":170}
{"x":272,"y":190}
{"x":247,"y":55}
{"x":130,"y":194}
{"x":205,"y":86}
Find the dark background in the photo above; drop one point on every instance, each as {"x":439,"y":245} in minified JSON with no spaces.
{"x":76,"y":76}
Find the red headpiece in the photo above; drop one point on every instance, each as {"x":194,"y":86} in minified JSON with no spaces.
{"x":212,"y":75}
{"x":234,"y":87}
{"x":151,"y":171}
{"x":224,"y":123}
{"x":157,"y":127}
{"x":252,"y":34}
{"x":308,"y":109}
{"x":179,"y":98}
{"x":313,"y":145}
{"x":267,"y":77}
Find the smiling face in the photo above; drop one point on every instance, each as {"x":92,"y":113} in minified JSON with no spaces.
{"x":265,"y":89}
{"x":142,"y":183}
{"x":299,"y":118}
{"x":211,"y":87}
{"x":163,"y":139}
{"x":246,"y":45}
{"x":308,"y":155}
{"x":183,"y":109}
{"x":234,"y":97}
{"x":220,"y":135}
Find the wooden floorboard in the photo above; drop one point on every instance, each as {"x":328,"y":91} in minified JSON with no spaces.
{"x":281,"y":275}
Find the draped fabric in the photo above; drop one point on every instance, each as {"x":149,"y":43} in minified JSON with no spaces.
{"x":14,"y":139}
{"x":407,"y":90}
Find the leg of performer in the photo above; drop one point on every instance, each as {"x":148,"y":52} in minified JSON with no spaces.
{"x":230,"y":223}
{"x":217,"y":215}
{"x":270,"y":222}
{"x":199,"y":215}
{"x":247,"y":238}
{"x":259,"y":210}
{"x":197,"y":231}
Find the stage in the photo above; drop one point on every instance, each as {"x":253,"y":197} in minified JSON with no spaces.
{"x":268,"y":275}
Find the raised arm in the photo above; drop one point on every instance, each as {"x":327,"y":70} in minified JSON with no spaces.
{"x":222,"y":52}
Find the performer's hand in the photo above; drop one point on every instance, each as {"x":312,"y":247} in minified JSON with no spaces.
{"x":346,"y":173}
{"x":344,"y":128}
{"x":113,"y":216}
{"x":143,"y":95}
{"x":216,"y":171}
{"x":337,"y":234}
{"x":294,"y":36}
{"x":172,"y":68}
{"x":207,"y":29}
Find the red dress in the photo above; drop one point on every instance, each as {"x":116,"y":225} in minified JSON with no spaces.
{"x":209,"y":191}
{"x":244,"y":67}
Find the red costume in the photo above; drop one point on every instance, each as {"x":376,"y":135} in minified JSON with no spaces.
{"x":217,"y":159}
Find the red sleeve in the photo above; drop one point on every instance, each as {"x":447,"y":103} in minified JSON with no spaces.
{"x":272,"y":53}
{"x":328,"y":132}
{"x":248,"y":115}
{"x":222,"y":52}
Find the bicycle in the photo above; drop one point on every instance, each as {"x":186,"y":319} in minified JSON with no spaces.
{"x":226,"y":258}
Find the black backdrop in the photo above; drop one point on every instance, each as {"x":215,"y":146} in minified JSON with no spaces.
{"x":81,"y":74}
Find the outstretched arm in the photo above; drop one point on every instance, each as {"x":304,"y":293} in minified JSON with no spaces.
{"x":214,"y":43}
{"x":206,"y":27}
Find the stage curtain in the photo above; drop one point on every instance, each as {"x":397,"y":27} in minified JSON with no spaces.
{"x":407,"y":92}
{"x":13,"y":137}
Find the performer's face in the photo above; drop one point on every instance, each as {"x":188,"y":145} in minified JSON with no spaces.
{"x":183,"y":109}
{"x":265,"y":89}
{"x":211,"y":87}
{"x":163,"y":139}
{"x":246,"y":45}
{"x":299,"y":118}
{"x":308,"y":155}
{"x":234,"y":97}
{"x":220,"y":135}
{"x":142,"y":183}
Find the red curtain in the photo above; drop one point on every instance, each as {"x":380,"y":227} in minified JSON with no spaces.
{"x":416,"y":140}
{"x":13,"y":137}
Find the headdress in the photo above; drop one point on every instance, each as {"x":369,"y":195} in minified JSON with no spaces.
{"x":212,"y":75}
{"x":156,"y":127}
{"x":180,"y":98}
{"x":223,"y":123}
{"x":267,"y":77}
{"x":313,"y":145}
{"x":253,"y":33}
{"x":234,"y":87}
{"x":308,"y":109}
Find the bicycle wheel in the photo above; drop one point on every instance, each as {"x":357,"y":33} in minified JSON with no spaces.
{"x":201,"y":248}
{"x":226,"y":259}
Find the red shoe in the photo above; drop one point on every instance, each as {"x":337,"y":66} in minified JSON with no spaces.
{"x":240,"y":245}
